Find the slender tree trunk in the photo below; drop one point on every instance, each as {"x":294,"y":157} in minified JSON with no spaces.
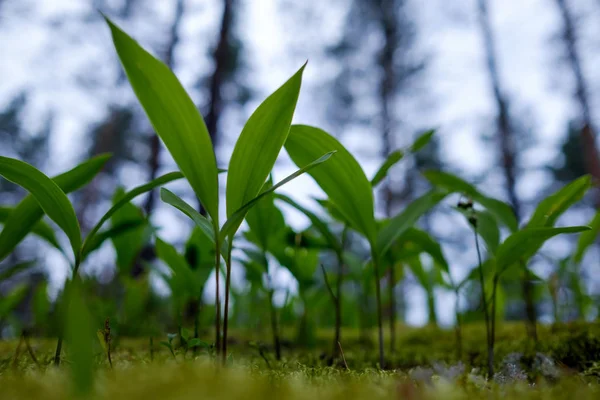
{"x":588,"y":137}
{"x":387,"y":88}
{"x":222,"y":64}
{"x":155,"y":146}
{"x":507,"y":143}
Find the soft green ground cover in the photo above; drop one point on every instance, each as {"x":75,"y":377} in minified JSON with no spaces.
{"x":565,"y":364}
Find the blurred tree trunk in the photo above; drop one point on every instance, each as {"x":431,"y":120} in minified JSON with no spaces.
{"x":155,"y":145}
{"x":222,"y":66}
{"x":106,"y":134}
{"x":506,"y":138}
{"x":588,"y":136}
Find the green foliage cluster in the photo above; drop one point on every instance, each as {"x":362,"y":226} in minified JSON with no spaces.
{"x":385,"y":246}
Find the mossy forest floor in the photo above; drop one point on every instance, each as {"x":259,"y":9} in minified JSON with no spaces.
{"x":565,"y":363}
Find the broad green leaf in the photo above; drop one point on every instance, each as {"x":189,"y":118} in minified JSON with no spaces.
{"x":587,"y":238}
{"x":320,"y":225}
{"x":332,"y":210}
{"x":200,"y":220}
{"x":266,"y":221}
{"x":422,"y":140}
{"x":416,"y":267}
{"x":234,"y":221}
{"x":553,"y":206}
{"x":427,"y":244}
{"x":114,"y":233}
{"x":343,"y":180}
{"x":11,"y":300}
{"x":500,"y":210}
{"x":40,"y":228}
{"x":174,"y":116}
{"x":406,"y":219}
{"x":520,"y":244}
{"x":259,"y":145}
{"x":48,"y":194}
{"x":392,"y":159}
{"x":28,"y":212}
{"x":133,"y":193}
{"x":195,"y":342}
{"x":200,"y":255}
{"x":182,"y":279}
{"x":9,"y":271}
{"x":129,"y":233}
{"x":487,"y":228}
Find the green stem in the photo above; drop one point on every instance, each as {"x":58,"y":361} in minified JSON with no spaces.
{"x":485,"y":309}
{"x":58,"y":351}
{"x":217,"y":298}
{"x":226,"y":312}
{"x":379,"y":310}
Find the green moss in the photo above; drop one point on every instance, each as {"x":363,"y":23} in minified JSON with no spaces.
{"x":304,"y":373}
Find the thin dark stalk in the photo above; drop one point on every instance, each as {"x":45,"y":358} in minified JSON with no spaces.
{"x":379,"y":311}
{"x":151,"y":348}
{"x":17,"y":353}
{"x":66,"y":304}
{"x":529,"y":303}
{"x":485,"y":309}
{"x":338,"y":297}
{"x":343,"y":357}
{"x":329,"y":290}
{"x":217,"y":297}
{"x":493,"y":327}
{"x":226,"y":312}
{"x":274,"y":326}
{"x":30,"y":350}
{"x":261,"y":351}
{"x":392,"y":294}
{"x":458,"y":327}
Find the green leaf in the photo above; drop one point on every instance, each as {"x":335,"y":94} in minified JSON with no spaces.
{"x":344,"y":181}
{"x":114,"y":233}
{"x":266,"y":221}
{"x":129,"y":233}
{"x":182,"y":280}
{"x":201,"y":221}
{"x":40,"y":228}
{"x":332,"y":210}
{"x":319,"y":224}
{"x":200,"y":255}
{"x":11,"y":300}
{"x":48,"y":194}
{"x":174,"y":117}
{"x":427,"y":244}
{"x":487,"y":228}
{"x":259,"y":145}
{"x":79,"y":335}
{"x":11,"y":270}
{"x":553,"y":206}
{"x":499,"y":209}
{"x":422,"y":140}
{"x":520,"y":244}
{"x":234,"y":221}
{"x":133,"y":193}
{"x":195,"y":342}
{"x":587,"y":238}
{"x":392,"y":159}
{"x":28,"y":212}
{"x":399,"y":224}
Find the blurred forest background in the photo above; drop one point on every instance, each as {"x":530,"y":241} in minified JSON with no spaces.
{"x":511,"y":87}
